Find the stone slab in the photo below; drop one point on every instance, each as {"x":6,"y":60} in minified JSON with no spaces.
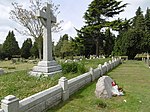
{"x":1,"y":71}
{"x":104,"y":87}
{"x":38,"y":74}
{"x":46,"y":68}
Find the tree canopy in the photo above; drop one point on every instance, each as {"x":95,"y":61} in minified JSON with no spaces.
{"x":32,"y":25}
{"x":26,"y":47}
{"x":136,"y":38}
{"x":97,"y":18}
{"x":10,"y":45}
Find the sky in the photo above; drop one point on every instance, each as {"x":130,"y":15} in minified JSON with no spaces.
{"x":71,"y":12}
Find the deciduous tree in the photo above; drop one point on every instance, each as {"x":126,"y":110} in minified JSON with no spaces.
{"x":32,"y":25}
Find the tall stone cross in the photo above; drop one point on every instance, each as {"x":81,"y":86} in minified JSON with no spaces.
{"x":47,"y":66}
{"x":47,"y":18}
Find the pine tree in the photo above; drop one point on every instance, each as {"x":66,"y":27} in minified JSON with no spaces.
{"x":26,"y":47}
{"x":136,"y":38}
{"x":146,"y":40}
{"x":138,"y":21}
{"x":96,"y":18}
{"x":34,"y":50}
{"x":109,"y":42}
{"x":10,"y":45}
{"x":147,"y":20}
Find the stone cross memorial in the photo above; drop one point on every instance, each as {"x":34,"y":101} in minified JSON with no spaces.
{"x":47,"y":66}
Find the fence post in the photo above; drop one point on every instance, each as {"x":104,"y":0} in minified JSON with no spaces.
{"x":101,"y":70}
{"x":110,"y":64}
{"x":63,"y":82}
{"x":92,"y":74}
{"x":115,"y":62}
{"x":10,"y":104}
{"x":106,"y":64}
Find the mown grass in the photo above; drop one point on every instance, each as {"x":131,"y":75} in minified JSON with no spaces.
{"x":133,"y":76}
{"x":22,"y":85}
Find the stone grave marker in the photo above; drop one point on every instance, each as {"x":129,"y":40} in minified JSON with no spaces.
{"x":47,"y":66}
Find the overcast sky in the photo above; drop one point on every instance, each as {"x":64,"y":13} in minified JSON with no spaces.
{"x":71,"y":12}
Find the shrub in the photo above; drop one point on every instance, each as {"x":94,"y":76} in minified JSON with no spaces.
{"x":81,"y":68}
{"x":73,"y":67}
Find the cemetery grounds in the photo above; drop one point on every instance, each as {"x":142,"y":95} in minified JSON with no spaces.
{"x":133,"y":76}
{"x":18,"y":82}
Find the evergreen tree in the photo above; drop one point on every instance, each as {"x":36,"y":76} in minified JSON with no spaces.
{"x":34,"y":50}
{"x":10,"y":45}
{"x":147,"y":20}
{"x":138,"y":21}
{"x":109,"y":42}
{"x":78,"y":47}
{"x":145,"y":44}
{"x":26,"y":47}
{"x":2,"y":54}
{"x":96,"y":18}
{"x":57,"y":50}
{"x":136,"y":39}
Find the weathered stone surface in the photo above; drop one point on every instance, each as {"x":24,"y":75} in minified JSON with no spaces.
{"x":104,"y":87}
{"x":1,"y":71}
{"x":10,"y":104}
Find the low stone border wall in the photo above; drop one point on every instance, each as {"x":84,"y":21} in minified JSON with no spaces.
{"x":48,"y":98}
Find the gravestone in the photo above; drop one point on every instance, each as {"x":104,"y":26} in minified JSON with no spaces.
{"x":1,"y":71}
{"x":104,"y":87}
{"x":47,"y":66}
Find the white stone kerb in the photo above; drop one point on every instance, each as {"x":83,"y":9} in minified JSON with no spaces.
{"x":10,"y":104}
{"x":63,"y":82}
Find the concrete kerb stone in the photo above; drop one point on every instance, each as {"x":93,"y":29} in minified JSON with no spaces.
{"x":110,"y":64}
{"x":101,"y":70}
{"x":92,"y":74}
{"x":10,"y":104}
{"x":63,"y":82}
{"x":106,"y":64}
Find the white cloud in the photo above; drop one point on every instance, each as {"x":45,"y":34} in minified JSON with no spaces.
{"x":67,"y":26}
{"x":71,"y":12}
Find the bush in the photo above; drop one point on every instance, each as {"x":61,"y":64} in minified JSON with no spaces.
{"x":73,"y":67}
{"x":81,"y":68}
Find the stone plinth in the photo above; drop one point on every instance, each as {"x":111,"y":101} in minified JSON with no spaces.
{"x":46,"y":68}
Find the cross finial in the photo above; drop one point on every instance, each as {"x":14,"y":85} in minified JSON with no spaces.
{"x":46,"y":15}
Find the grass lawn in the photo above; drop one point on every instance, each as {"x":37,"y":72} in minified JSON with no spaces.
{"x":22,"y":85}
{"x":133,"y":76}
{"x":8,"y":66}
